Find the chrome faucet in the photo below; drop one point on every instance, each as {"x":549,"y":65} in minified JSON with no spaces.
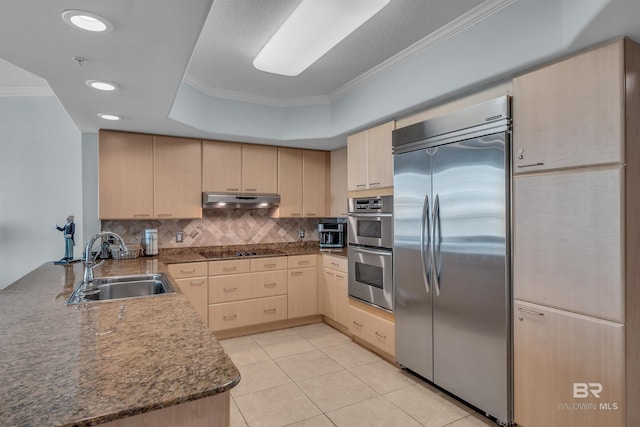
{"x":89,"y":262}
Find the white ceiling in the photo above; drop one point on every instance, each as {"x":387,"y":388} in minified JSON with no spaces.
{"x":185,"y":67}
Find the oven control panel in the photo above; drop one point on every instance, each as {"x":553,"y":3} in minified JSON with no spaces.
{"x":382,"y":204}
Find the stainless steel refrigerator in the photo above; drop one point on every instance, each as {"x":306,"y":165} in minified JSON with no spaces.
{"x":452,"y":254}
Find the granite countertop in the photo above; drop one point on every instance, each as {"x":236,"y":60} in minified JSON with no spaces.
{"x":86,"y":364}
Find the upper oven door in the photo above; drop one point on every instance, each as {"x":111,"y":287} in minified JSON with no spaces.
{"x":371,"y":230}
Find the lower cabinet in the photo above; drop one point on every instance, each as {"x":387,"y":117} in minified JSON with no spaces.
{"x":302,"y":292}
{"x":333,"y":295}
{"x":192,"y":280}
{"x":368,"y":325}
{"x":248,"y":312}
{"x":569,"y":369}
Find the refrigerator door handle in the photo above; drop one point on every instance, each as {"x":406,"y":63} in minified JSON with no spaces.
{"x":425,"y":226}
{"x":436,"y":247}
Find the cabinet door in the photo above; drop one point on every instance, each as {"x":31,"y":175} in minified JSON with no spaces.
{"x":290,"y":182}
{"x":570,"y":113}
{"x":357,"y":161}
{"x":380,"y":156}
{"x":338,"y":183}
{"x":341,"y":296}
{"x":568,"y":240}
{"x":259,"y":169}
{"x":326,"y":294}
{"x":177,"y":177}
{"x":568,"y":369}
{"x":302,"y":285}
{"x":221,"y":166}
{"x":195,"y":289}
{"x":125,"y":172}
{"x":314,"y":190}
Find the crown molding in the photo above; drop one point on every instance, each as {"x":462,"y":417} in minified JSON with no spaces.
{"x":441,"y":35}
{"x":255,"y":99}
{"x":26,"y":91}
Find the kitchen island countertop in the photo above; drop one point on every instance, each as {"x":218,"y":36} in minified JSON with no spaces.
{"x":89,"y":364}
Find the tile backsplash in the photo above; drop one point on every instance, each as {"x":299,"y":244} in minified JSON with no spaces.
{"x":219,"y":227}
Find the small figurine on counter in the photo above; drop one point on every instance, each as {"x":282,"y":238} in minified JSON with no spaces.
{"x":69,"y":230}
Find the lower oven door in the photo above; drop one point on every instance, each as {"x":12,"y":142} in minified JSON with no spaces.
{"x":371,"y":276}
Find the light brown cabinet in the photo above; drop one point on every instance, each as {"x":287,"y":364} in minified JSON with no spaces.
{"x":568,"y":369}
{"x":302,"y":178}
{"x":333,"y":297}
{"x":125,"y":175}
{"x":372,"y":327}
{"x":576,"y":227}
{"x":221,"y":166}
{"x":571,"y":113}
{"x":144,"y":176}
{"x":302,"y":286}
{"x":177,"y":176}
{"x":338,"y":183}
{"x":370,"y":158}
{"x":192,"y":280}
{"x":259,"y":169}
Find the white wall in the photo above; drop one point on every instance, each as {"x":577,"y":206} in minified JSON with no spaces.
{"x":40,"y":183}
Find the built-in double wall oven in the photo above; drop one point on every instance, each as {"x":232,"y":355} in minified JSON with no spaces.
{"x":370,"y":250}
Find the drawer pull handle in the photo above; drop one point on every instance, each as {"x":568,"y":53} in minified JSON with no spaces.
{"x":229,"y":268}
{"x":384,"y":337}
{"x":230,"y":289}
{"x":230,"y":317}
{"x":193,"y":270}
{"x":270,"y":311}
{"x":296,"y":214}
{"x":361,"y":185}
{"x":250,"y":189}
{"x":303,"y":262}
{"x":141,"y":215}
{"x":339,"y":276}
{"x":359,"y":325}
{"x":273,"y":264}
{"x":524,"y":310}
{"x":329,"y":273}
{"x":270,"y":285}
{"x":233,"y":189}
{"x":199,"y":282}
{"x":531,"y":165}
{"x":335,"y":263}
{"x":374,"y":183}
{"x":165,"y":215}
{"x":296,"y":273}
{"x":311,"y":214}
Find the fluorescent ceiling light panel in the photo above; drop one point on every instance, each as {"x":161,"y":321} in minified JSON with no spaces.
{"x":313,"y":29}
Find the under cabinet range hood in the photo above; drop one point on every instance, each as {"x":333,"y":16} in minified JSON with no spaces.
{"x":239,"y":200}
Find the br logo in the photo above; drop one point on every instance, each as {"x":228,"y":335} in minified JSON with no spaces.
{"x":583,"y":390}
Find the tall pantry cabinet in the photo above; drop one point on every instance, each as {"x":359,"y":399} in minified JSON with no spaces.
{"x":576,"y":265}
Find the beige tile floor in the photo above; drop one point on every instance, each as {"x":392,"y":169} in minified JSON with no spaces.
{"x":316,"y":376}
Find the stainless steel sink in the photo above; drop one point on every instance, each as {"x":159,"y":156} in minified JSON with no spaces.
{"x":119,"y":287}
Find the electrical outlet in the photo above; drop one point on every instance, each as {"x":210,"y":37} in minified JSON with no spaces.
{"x":179,"y":237}
{"x":301,"y":233}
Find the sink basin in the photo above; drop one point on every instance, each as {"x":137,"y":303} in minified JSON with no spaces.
{"x":119,"y":287}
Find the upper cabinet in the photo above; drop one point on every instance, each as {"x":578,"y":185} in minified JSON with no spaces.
{"x":338,"y":183}
{"x":302,"y":178}
{"x":259,"y":169}
{"x":221,"y":166}
{"x":145,"y":176}
{"x":571,"y":113}
{"x":370,"y":158}
{"x":177,"y":177}
{"x":125,"y":175}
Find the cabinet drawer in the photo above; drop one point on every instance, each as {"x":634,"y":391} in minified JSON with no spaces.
{"x":269,"y":263}
{"x":358,"y":323}
{"x":247,"y":286}
{"x":299,"y":261}
{"x":188,"y":269}
{"x":218,"y":268}
{"x":375,"y":330}
{"x":334,"y":263}
{"x":244,"y":313}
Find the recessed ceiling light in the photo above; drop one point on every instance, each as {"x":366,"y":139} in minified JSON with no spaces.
{"x":86,"y":20}
{"x":313,"y":29}
{"x":109,"y":116}
{"x":102,"y":85}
